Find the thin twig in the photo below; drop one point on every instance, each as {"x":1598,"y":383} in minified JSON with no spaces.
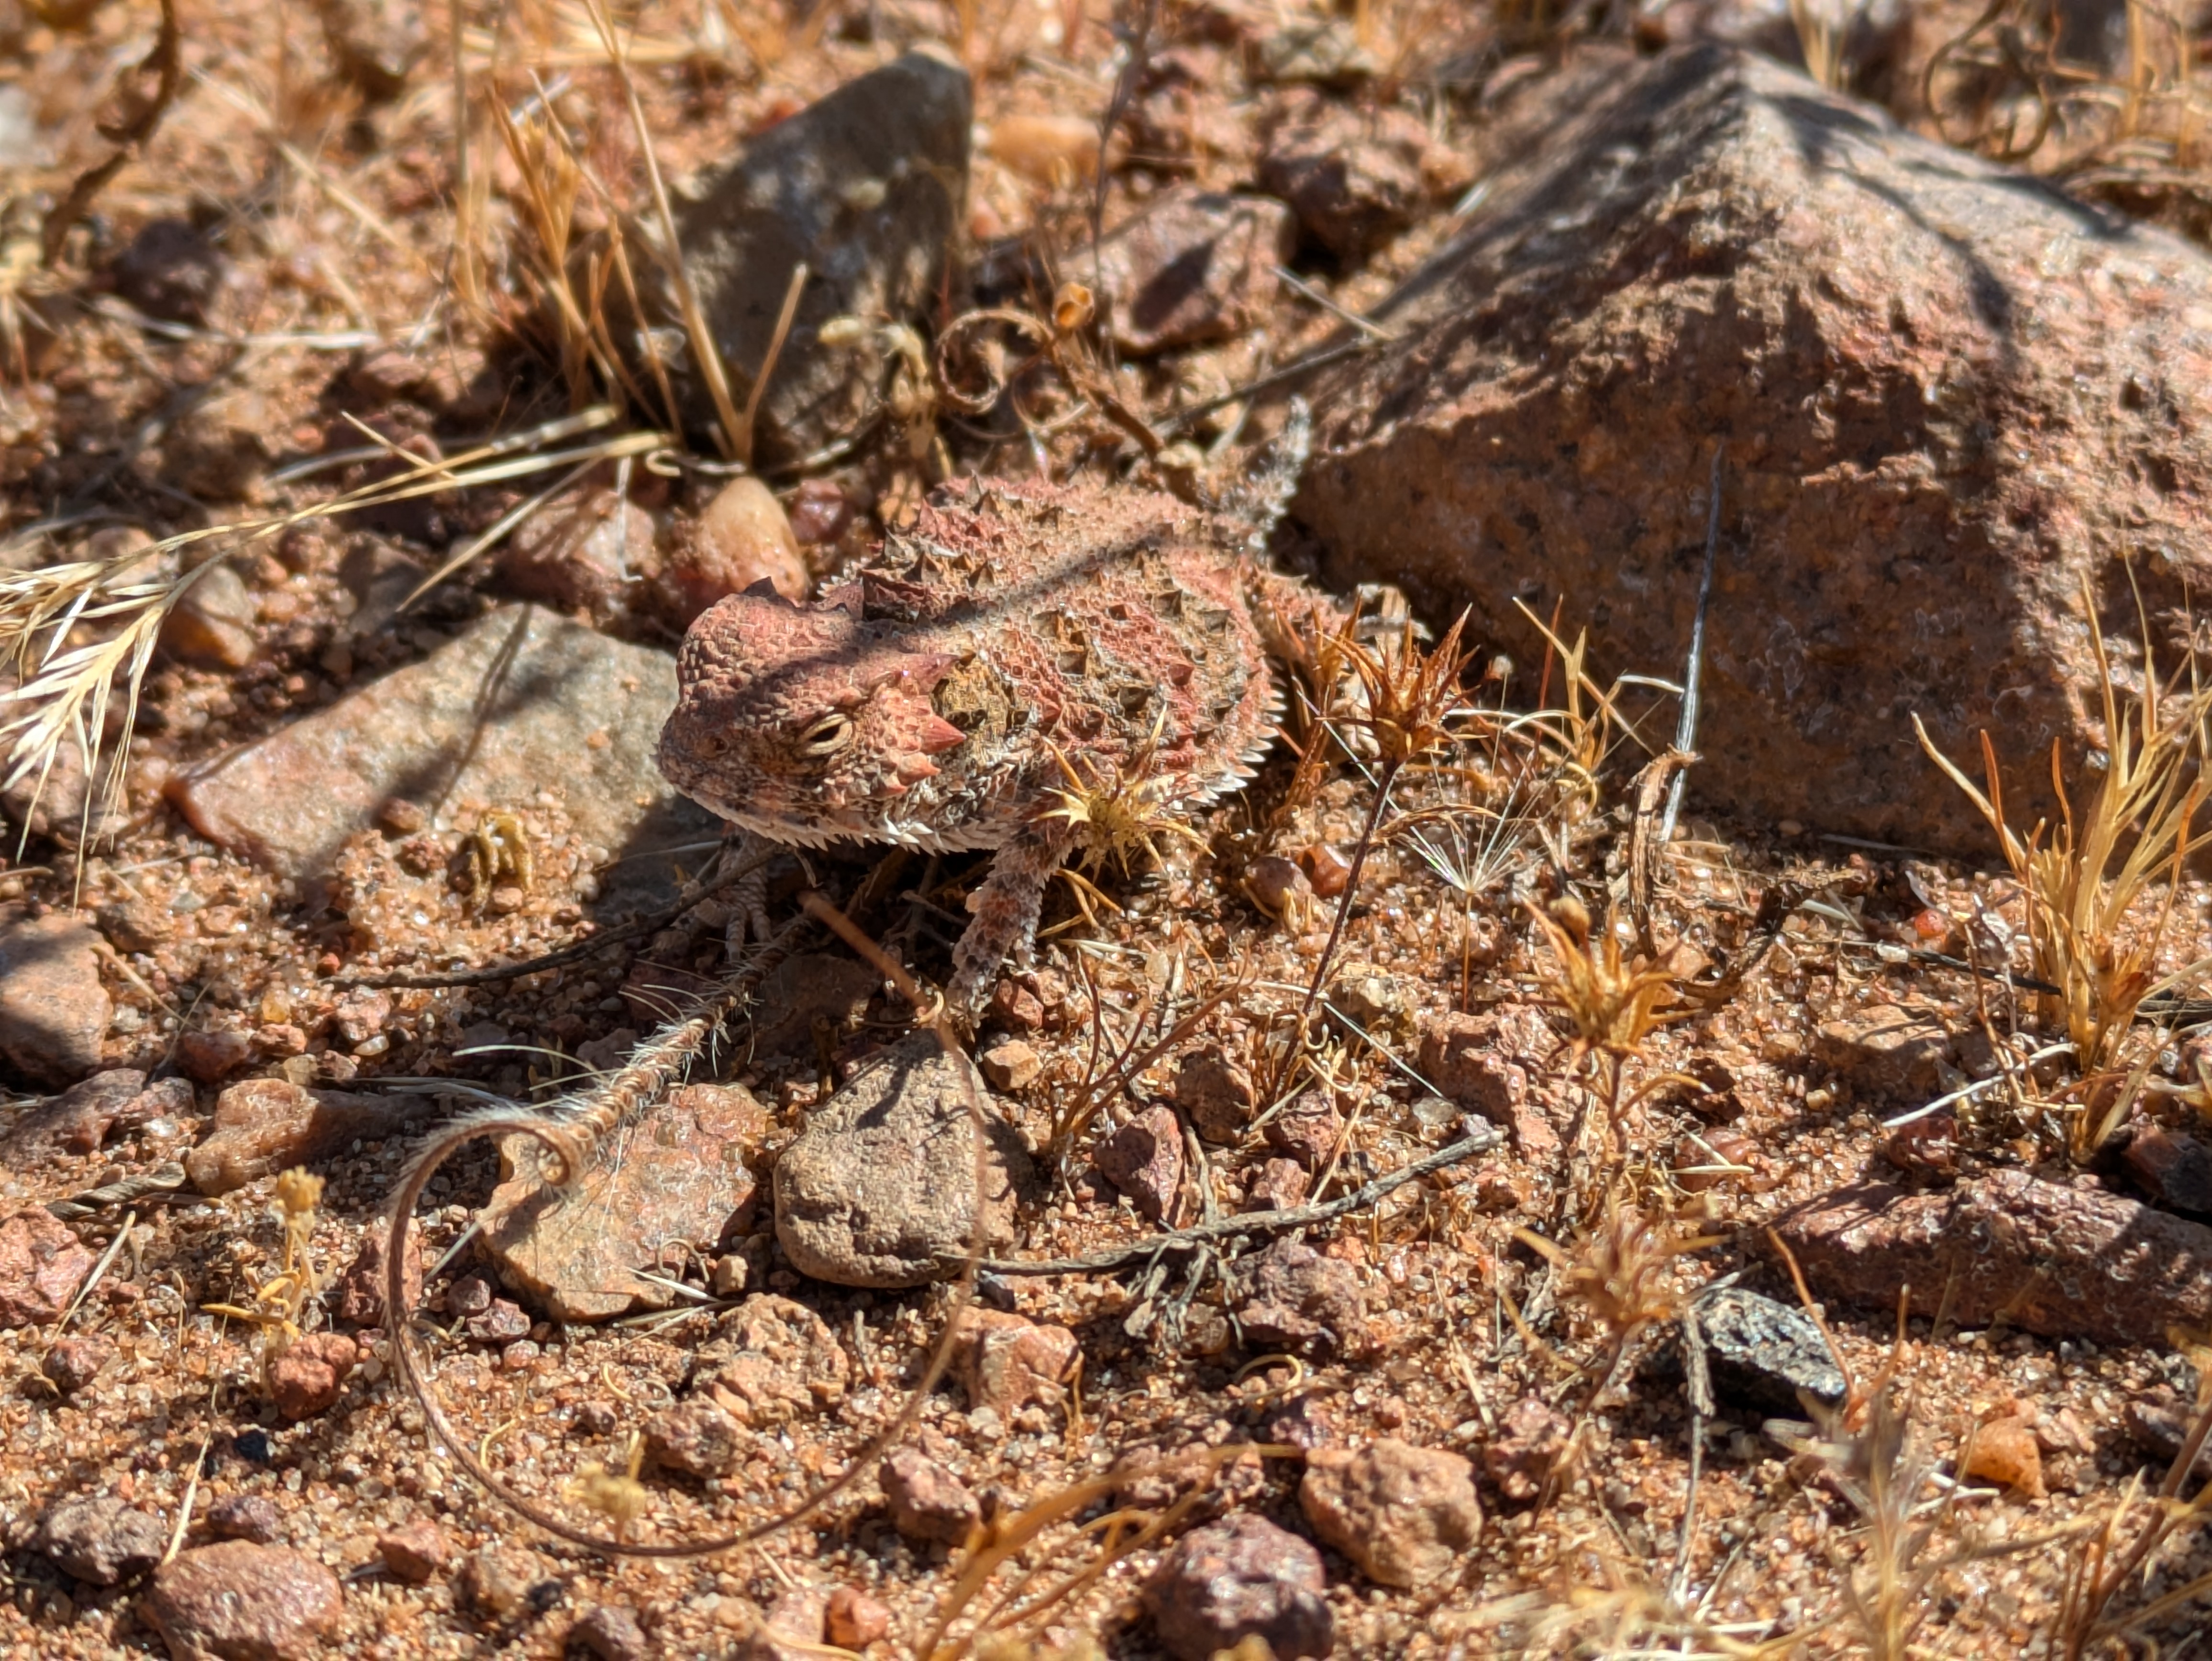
{"x":742,"y":440}
{"x":1685,"y":729}
{"x":1251,"y":1222}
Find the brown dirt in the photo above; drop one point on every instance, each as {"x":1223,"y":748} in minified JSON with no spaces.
{"x":317,"y":216}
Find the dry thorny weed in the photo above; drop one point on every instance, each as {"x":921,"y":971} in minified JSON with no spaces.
{"x":279,"y":1301}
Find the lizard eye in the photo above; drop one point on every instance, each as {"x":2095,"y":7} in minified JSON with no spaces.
{"x":825,"y":736}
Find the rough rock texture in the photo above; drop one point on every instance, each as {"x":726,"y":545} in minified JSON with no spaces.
{"x":1355,"y":179}
{"x":305,"y":1379}
{"x":2174,"y":1168}
{"x":1946,"y":391}
{"x":1521,"y":1457}
{"x":1762,"y":1353}
{"x":879,"y":1189}
{"x":771,"y":1359}
{"x":360,"y":1289}
{"x":611,"y":1633}
{"x":502,"y":1581}
{"x":239,"y":1601}
{"x":1216,"y":1091}
{"x":2067,"y":1262}
{"x":245,"y":1517}
{"x":75,"y":1362}
{"x":697,"y":1438}
{"x":74,"y":1122}
{"x":853,"y":1620}
{"x":53,"y":1010}
{"x":1302,"y":1301}
{"x":508,"y":709}
{"x":1403,"y":1514}
{"x":41,"y":1266}
{"x":1004,"y":1361}
{"x":416,"y":1552}
{"x":1193,"y":266}
{"x":100,"y":1538}
{"x":266,"y":1125}
{"x":868,"y":188}
{"x":1239,"y":1577}
{"x":927,"y":1501}
{"x":1144,"y":1160}
{"x":683,"y":1178}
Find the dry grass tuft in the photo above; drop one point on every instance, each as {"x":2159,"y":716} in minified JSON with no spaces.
{"x":2099,"y":889}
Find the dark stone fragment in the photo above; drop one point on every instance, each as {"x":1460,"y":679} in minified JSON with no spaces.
{"x":1761,"y":1354}
{"x":2174,"y":1169}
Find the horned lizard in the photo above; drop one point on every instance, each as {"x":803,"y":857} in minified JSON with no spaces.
{"x":939,"y":699}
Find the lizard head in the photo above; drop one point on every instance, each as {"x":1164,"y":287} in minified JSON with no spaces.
{"x":805,"y":724}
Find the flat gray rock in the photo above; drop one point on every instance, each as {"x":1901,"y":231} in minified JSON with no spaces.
{"x":879,"y":1189}
{"x":523,"y":701}
{"x":868,"y":188}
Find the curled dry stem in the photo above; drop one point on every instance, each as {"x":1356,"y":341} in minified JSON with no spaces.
{"x":573,"y":1138}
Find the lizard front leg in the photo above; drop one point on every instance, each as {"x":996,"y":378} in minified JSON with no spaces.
{"x":742,"y":907}
{"x":1004,"y":909}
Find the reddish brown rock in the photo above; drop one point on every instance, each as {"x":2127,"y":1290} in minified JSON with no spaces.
{"x":1883,"y":1051}
{"x":853,"y":1620}
{"x":1216,"y":1092}
{"x":927,"y":1501}
{"x":1237,"y":1578}
{"x":241,"y":1600}
{"x":210,"y":1057}
{"x":1354,"y":178}
{"x":245,"y":1517}
{"x":575,"y":1248}
{"x":416,"y":1552}
{"x":1522,"y":1457}
{"x":611,"y":1633}
{"x":1144,"y":1160}
{"x":76,"y":1122}
{"x":741,"y":537}
{"x":212,"y":625}
{"x":771,"y":1360}
{"x":502,"y":1581}
{"x":1011,"y":1065}
{"x":305,"y":1379}
{"x":1461,"y":1055}
{"x":2064,"y":1261}
{"x":696,"y":1437}
{"x":1404,"y":1514}
{"x":1302,"y":1301}
{"x":1306,"y":1131}
{"x":75,"y":1362}
{"x":1193,"y":266}
{"x":523,"y":702}
{"x":53,"y":1010}
{"x":99,"y":1537}
{"x":1006,"y":1362}
{"x":360,"y":1286}
{"x":1946,"y":389}
{"x":267,"y":1125}
{"x":2174,"y":1168}
{"x":41,"y":1266}
{"x":1281,"y":1185}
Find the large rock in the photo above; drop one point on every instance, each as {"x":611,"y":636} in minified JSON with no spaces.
{"x":244,"y":1602}
{"x":868,"y":188}
{"x":53,"y":1010}
{"x":2047,"y":1257}
{"x":879,"y":1189}
{"x":680,"y":1179}
{"x":1946,"y":391}
{"x":522,"y":702}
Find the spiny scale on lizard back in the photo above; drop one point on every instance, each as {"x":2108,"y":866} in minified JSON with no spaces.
{"x":919,"y":702}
